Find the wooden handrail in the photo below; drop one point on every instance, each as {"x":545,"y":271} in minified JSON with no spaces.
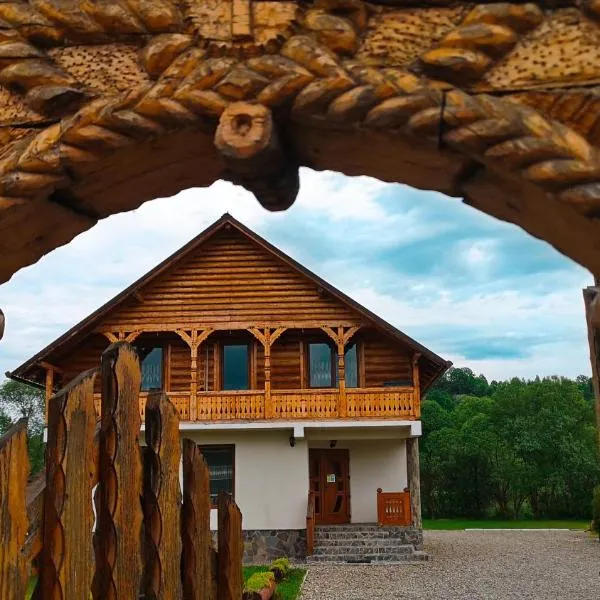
{"x":393,"y":508}
{"x":310,"y":523}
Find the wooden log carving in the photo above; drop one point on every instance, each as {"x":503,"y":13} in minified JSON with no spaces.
{"x":119,"y":521}
{"x":162,"y":501}
{"x":66,"y":569}
{"x":252,"y":149}
{"x":230,"y":550}
{"x":197,"y":551}
{"x":14,"y":469}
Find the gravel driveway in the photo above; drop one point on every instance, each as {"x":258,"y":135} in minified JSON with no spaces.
{"x":471,"y":565}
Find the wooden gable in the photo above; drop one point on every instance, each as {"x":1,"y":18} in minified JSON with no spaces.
{"x":229,"y":279}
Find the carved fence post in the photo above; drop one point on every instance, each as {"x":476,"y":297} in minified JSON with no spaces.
{"x":118,"y":540}
{"x":231,"y":550}
{"x":197,"y":548}
{"x":71,"y":473}
{"x":14,"y":469}
{"x":162,"y":501}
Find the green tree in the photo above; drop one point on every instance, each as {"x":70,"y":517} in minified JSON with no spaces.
{"x":17,"y":401}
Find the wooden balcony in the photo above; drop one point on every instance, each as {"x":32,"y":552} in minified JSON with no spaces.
{"x":291,"y":405}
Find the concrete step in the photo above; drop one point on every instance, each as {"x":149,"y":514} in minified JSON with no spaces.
{"x":381,"y":534}
{"x":367,"y":558}
{"x":364,"y":549}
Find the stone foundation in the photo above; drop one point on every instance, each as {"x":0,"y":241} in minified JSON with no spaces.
{"x":264,"y":545}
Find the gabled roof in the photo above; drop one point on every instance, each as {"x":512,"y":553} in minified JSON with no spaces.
{"x":89,"y":323}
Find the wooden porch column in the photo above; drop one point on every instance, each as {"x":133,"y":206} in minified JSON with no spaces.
{"x":49,"y":388}
{"x":267,"y":338}
{"x":194,"y":339}
{"x":591,"y":297}
{"x":416,"y":380}
{"x":341,"y":337}
{"x":414,"y":480}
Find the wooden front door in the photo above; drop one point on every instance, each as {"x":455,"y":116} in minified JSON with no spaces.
{"x":330,"y":482}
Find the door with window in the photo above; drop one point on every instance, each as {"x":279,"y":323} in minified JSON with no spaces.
{"x":330,"y":482}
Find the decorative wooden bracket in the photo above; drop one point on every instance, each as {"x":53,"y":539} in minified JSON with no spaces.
{"x":255,"y":157}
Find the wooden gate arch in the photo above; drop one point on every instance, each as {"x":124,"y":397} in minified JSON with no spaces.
{"x":107,"y":104}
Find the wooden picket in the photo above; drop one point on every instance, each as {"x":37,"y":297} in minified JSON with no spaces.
{"x":159,"y":548}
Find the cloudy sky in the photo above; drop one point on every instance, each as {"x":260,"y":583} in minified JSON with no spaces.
{"x":477,"y":291}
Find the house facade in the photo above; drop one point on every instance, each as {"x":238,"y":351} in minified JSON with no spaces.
{"x":304,"y":403}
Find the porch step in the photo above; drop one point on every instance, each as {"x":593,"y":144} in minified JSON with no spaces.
{"x":364,"y":544}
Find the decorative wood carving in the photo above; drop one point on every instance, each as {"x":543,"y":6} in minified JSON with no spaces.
{"x":71,"y":473}
{"x":196,"y":558}
{"x":14,"y":469}
{"x":455,"y":81}
{"x":119,"y":512}
{"x":162,"y":501}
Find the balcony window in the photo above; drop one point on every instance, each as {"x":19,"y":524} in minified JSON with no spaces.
{"x":351,"y":366}
{"x":221,"y":467}
{"x":152,"y":369}
{"x":236,"y":363}
{"x":321,"y":365}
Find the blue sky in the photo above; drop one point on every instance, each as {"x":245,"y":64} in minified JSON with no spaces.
{"x":479,"y":292}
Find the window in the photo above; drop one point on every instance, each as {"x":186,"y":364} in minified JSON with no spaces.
{"x":351,"y":366}
{"x":236,"y":372}
{"x":152,"y":369}
{"x":321,"y":365}
{"x":220,"y":461}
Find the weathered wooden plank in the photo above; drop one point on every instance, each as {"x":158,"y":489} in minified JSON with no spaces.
{"x":66,"y":567}
{"x":119,"y":554}
{"x":14,"y":468}
{"x":197,"y":546}
{"x":230,"y":551}
{"x":162,"y":501}
{"x":413,"y":475}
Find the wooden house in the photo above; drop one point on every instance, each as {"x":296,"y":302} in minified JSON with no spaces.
{"x":301,"y":399}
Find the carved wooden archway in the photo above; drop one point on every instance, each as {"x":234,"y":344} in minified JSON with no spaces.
{"x":109,"y":103}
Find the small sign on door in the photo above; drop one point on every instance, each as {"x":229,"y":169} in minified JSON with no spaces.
{"x":331,"y":478}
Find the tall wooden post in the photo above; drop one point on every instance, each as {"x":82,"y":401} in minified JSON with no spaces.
{"x":414,"y":480}
{"x":194,"y":376}
{"x":49,"y":388}
{"x":268,"y":406}
{"x":591,"y":298}
{"x":416,"y":381}
{"x":341,"y":350}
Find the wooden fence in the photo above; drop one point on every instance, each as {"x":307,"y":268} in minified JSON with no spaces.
{"x":393,"y":508}
{"x":145,"y":539}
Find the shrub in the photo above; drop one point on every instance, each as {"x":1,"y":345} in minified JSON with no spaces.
{"x":280,"y":568}
{"x":596,"y":510}
{"x":259,"y":581}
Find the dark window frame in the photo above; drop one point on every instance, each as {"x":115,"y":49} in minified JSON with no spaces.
{"x":349,"y":345}
{"x":163,"y":371}
{"x":222,"y":345}
{"x":203,"y":447}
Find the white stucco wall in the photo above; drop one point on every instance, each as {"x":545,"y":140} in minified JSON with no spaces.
{"x":271,"y":478}
{"x":373,"y":464}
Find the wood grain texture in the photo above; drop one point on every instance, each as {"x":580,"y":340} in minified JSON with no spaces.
{"x":197,"y":557}
{"x":14,"y":469}
{"x":118,"y":552}
{"x":162,"y":501}
{"x":230,"y":550}
{"x":413,"y":475}
{"x":66,"y":566}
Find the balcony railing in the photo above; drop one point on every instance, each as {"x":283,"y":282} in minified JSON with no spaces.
{"x":292,"y":405}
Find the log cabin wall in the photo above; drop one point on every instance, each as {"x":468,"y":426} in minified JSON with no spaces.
{"x":385,"y":361}
{"x":229,"y":279}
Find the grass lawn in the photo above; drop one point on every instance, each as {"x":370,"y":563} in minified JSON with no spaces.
{"x":495,"y":524}
{"x":286,"y":590}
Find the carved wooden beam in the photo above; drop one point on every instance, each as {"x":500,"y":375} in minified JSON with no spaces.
{"x":251,"y":147}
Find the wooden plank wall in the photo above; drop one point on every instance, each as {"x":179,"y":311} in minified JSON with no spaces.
{"x":229,"y":279}
{"x":385,"y":360}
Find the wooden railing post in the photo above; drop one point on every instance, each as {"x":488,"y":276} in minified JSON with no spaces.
{"x":197,"y":546}
{"x":416,"y":385}
{"x":231,"y":549}
{"x":66,"y":569}
{"x":49,"y":388}
{"x":162,"y":501}
{"x":310,"y":524}
{"x":14,"y":469}
{"x":119,"y":512}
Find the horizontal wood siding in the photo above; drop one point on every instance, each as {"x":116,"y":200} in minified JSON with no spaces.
{"x":285,"y":362}
{"x":230,"y":279}
{"x":180,"y":366}
{"x":85,"y":356}
{"x":385,"y":361}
